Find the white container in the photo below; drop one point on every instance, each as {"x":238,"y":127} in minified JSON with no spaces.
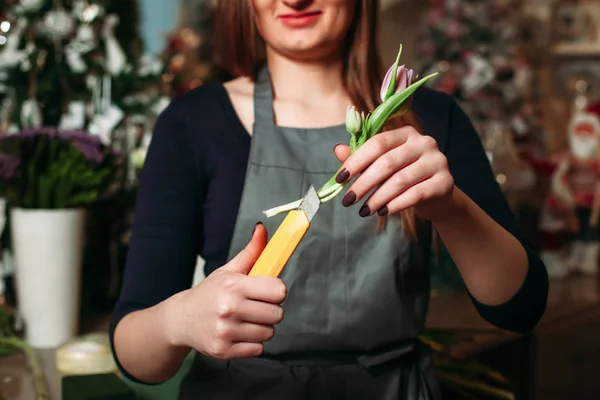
{"x":47,"y":248}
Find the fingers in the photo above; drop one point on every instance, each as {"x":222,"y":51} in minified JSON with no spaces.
{"x":342,"y":152}
{"x":395,"y":185}
{"x":418,"y":193}
{"x":371,"y":151}
{"x":258,"y":312}
{"x":234,"y":340}
{"x":245,"y":260}
{"x":245,"y":295}
{"x":401,"y":158}
{"x":264,"y":288}
{"x":242,"y":350}
{"x":253,"y":333}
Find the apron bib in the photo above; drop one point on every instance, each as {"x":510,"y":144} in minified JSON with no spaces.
{"x":357,"y":299}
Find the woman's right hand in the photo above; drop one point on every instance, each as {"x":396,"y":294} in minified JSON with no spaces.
{"x":229,"y":315}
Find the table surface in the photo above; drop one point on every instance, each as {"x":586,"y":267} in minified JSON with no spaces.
{"x":448,"y":311}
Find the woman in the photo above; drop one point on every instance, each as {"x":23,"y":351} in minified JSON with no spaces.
{"x":355,"y":298}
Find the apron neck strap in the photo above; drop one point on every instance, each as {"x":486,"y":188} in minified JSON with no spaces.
{"x":263,"y":97}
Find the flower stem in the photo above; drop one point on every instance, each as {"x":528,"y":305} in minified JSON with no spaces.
{"x":39,"y":381}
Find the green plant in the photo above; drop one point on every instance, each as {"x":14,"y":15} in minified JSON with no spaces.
{"x":10,"y":343}
{"x":52,"y":169}
{"x":466,"y":377}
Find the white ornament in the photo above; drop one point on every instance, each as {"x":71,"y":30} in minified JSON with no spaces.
{"x":104,"y":124}
{"x":149,"y":65}
{"x":75,"y":60}
{"x":480,"y":74}
{"x":58,"y":24}
{"x":75,"y":118}
{"x":11,"y":55}
{"x":31,"y":114}
{"x":30,"y":5}
{"x":161,"y":105}
{"x":85,"y":11}
{"x":115,"y":57}
{"x":83,"y":42}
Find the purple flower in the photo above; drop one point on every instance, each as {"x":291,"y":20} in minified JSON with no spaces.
{"x":8,"y":166}
{"x":404,"y":78}
{"x":88,"y":145}
{"x":32,"y":133}
{"x":82,"y":137}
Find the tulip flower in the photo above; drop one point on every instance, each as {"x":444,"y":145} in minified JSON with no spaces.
{"x":404,"y":78}
{"x":354,"y":122}
{"x":396,"y":94}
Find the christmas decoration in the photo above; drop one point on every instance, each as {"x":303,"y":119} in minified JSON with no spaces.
{"x":574,"y":204}
{"x":473,"y":44}
{"x":67,"y":64}
{"x":188,"y":56}
{"x":79,"y":65}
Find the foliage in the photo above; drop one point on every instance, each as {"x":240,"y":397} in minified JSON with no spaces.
{"x":85,"y":51}
{"x":53,"y":169}
{"x":10,"y":343}
{"x":463,"y":376}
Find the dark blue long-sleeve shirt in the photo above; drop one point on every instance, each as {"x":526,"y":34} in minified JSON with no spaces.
{"x":192,"y":183}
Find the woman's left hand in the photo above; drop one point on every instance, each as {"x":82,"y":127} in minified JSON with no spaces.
{"x":406,"y":168}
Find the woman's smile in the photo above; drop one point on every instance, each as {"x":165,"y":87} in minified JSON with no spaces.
{"x":300,"y":19}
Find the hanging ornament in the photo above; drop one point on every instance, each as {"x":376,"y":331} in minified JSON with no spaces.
{"x":86,"y":12}
{"x":74,"y":119}
{"x":104,"y":125}
{"x":149,"y":65}
{"x":58,"y":24}
{"x":84,"y":42}
{"x":162,"y":103}
{"x":29,"y":6}
{"x":480,"y":74}
{"x":115,"y":57}
{"x":11,"y":55}
{"x":31,"y":114}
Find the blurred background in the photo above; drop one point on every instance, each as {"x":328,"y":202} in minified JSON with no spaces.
{"x":83,"y":81}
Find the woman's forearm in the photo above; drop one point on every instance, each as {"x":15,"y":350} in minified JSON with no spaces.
{"x":143,"y":346}
{"x":492,"y":262}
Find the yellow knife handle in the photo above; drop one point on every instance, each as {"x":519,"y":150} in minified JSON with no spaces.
{"x":282,"y":245}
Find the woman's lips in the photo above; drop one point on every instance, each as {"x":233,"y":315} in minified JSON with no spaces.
{"x":300,"y":20}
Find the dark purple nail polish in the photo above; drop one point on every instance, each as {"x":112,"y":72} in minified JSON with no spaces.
{"x":349,"y":199}
{"x":342,"y":176}
{"x":383,"y":211}
{"x":255,"y":225}
{"x":364,"y":211}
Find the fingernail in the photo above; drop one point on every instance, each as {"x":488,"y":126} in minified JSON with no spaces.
{"x":255,"y":226}
{"x":383,"y":211}
{"x":349,"y":199}
{"x":342,"y":176}
{"x":335,"y":145}
{"x":364,"y":211}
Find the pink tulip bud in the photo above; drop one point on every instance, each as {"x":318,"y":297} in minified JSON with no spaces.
{"x":404,"y":78}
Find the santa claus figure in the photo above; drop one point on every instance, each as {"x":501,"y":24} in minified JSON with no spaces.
{"x":574,"y":203}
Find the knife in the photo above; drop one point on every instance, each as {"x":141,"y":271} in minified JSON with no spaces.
{"x":287,"y":237}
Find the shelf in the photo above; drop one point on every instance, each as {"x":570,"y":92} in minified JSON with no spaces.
{"x":577,"y":50}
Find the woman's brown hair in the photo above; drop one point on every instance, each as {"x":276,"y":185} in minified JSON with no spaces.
{"x":240,"y":49}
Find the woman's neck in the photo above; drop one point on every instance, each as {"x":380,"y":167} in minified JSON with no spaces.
{"x":305,"y":81}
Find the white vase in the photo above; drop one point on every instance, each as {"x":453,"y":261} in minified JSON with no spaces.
{"x":47,"y":248}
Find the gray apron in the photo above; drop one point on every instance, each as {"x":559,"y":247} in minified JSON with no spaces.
{"x":357,"y":299}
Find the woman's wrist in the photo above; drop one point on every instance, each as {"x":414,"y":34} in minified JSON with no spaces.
{"x":453,"y":211}
{"x":169,"y":314}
